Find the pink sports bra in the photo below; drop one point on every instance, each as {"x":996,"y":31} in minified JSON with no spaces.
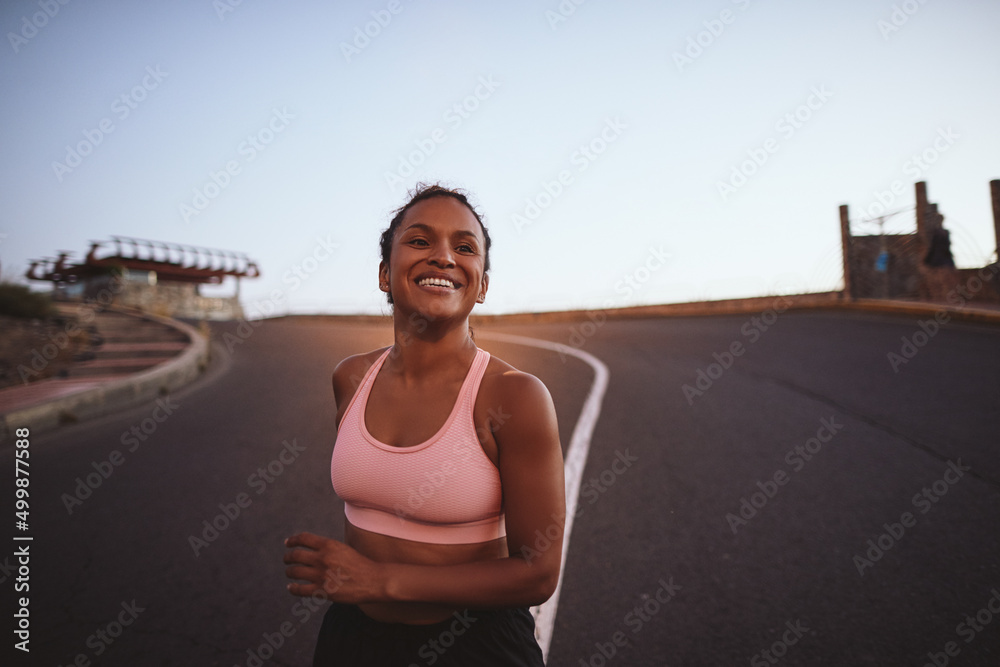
{"x":443,"y":491}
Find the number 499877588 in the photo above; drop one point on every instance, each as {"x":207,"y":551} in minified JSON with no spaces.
{"x":21,"y":479}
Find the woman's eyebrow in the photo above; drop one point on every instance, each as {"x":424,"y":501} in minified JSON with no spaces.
{"x":430,"y":230}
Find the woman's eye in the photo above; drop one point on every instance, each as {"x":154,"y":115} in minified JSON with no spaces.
{"x":466,"y":248}
{"x":418,"y":241}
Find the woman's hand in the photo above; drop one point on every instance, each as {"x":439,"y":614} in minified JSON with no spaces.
{"x":331,"y":568}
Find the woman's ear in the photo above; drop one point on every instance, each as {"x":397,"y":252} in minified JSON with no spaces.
{"x":383,"y":276}
{"x":482,"y":292}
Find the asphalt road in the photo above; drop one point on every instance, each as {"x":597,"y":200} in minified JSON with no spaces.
{"x":740,"y":525}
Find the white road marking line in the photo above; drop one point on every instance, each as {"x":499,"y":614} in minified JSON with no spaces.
{"x":576,"y":460}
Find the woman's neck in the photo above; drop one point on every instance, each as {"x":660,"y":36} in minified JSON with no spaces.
{"x":425,"y":349}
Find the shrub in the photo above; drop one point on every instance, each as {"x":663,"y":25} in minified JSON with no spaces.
{"x":19,"y":301}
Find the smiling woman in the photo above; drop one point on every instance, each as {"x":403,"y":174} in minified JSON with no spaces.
{"x":448,"y":462}
{"x":418,"y":235}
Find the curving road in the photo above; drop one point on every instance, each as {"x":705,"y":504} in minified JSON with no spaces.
{"x":802,"y":488}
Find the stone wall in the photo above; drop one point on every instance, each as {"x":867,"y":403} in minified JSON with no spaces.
{"x":902,"y":277}
{"x":178,"y":300}
{"x":140,"y":290}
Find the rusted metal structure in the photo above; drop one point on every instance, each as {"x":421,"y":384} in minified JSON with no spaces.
{"x":171,"y":261}
{"x":151,"y":275}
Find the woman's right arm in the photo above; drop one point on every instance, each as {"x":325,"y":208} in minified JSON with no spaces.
{"x":347,"y":377}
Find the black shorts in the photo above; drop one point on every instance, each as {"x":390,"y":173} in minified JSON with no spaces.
{"x":487,"y":637}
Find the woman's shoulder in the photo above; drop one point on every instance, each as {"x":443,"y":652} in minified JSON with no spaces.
{"x":505,"y":382}
{"x":518,"y":409}
{"x":351,"y":370}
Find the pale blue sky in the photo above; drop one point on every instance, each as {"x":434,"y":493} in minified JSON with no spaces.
{"x":672,"y":132}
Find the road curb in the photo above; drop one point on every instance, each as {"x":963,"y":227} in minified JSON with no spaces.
{"x":117,"y":394}
{"x":748,"y":305}
{"x":912,"y":308}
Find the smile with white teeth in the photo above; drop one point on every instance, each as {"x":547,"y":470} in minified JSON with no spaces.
{"x":438,"y":282}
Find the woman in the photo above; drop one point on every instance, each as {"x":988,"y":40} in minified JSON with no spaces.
{"x":449,"y":464}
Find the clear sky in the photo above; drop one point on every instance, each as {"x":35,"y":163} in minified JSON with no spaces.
{"x":721,"y":135}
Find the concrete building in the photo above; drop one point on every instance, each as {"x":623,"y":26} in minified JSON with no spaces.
{"x":152,"y":276}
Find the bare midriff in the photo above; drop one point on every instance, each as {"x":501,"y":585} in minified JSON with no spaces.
{"x":386,"y":549}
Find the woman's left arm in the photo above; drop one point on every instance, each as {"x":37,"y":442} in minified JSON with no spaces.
{"x":531,"y":473}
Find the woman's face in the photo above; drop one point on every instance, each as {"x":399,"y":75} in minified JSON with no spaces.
{"x":436,"y":267}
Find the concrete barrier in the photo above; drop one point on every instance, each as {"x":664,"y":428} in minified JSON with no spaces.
{"x":817,"y":301}
{"x":697,"y":308}
{"x":931,"y":309}
{"x":115,"y":394}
